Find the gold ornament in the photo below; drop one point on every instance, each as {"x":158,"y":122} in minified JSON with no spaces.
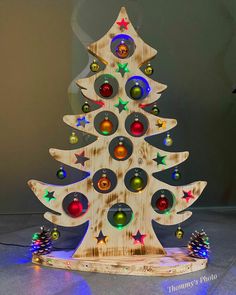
{"x":94,"y":67}
{"x":122,"y":50}
{"x":120,"y":151}
{"x":55,"y":234}
{"x":168,"y":141}
{"x":148,"y":70}
{"x":179,"y":233}
{"x":106,"y":126}
{"x":73,"y":138}
{"x":104,"y":183}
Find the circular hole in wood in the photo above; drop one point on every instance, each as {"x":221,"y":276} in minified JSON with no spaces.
{"x":75,"y":204}
{"x":120,"y":215}
{"x":120,"y":148}
{"x":136,"y":180}
{"x":106,"y":123}
{"x":137,"y":88}
{"x":122,"y":46}
{"x":136,"y":124}
{"x":162,"y":201}
{"x":106,"y":86}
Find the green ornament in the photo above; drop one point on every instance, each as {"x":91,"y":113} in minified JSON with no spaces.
{"x":155,"y":110}
{"x":120,"y":218}
{"x":61,"y":173}
{"x":136,"y":92}
{"x":86,"y":107}
{"x":136,"y":183}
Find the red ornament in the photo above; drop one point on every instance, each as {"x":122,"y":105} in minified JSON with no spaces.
{"x":162,"y":203}
{"x":106,"y":89}
{"x":75,"y":208}
{"x":136,"y":128}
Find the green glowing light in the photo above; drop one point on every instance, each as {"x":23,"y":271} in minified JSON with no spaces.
{"x":49,"y":196}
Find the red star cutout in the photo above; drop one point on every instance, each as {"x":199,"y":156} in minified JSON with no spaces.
{"x":187,"y":196}
{"x":139,"y":238}
{"x":123,"y":24}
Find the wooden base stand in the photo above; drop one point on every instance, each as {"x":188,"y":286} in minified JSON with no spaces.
{"x":176,"y":262}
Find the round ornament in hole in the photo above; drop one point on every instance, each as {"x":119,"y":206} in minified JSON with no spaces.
{"x":137,"y":88}
{"x":75,"y":204}
{"x":120,"y":215}
{"x":136,"y":180}
{"x":104,"y":180}
{"x":106,"y":123}
{"x":163,"y":201}
{"x":136,"y":124}
{"x":122,"y":46}
{"x":106,"y":86}
{"x":120,"y":148}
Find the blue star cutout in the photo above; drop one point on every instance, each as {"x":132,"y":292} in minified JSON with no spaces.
{"x":82,"y":121}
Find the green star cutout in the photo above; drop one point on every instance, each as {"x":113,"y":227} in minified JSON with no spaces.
{"x":49,"y":196}
{"x":122,"y":105}
{"x":122,"y":68}
{"x":160,"y":159}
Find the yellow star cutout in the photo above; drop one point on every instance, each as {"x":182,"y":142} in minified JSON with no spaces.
{"x":161,"y":124}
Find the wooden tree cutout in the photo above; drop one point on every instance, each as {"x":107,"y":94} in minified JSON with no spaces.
{"x":137,"y":237}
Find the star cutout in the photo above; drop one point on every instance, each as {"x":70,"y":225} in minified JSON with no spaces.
{"x":122,"y":105}
{"x":187,"y":196}
{"x":82,"y":121}
{"x":122,"y":68}
{"x":123,"y":24}
{"x":101,"y":239}
{"x":139,"y":238}
{"x":160,"y":159}
{"x":49,"y":196}
{"x":81,"y":159}
{"x":161,"y":124}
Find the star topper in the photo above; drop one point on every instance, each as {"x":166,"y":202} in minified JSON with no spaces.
{"x":123,"y":24}
{"x":121,"y":105}
{"x":48,"y":196}
{"x":187,"y":196}
{"x":81,"y":159}
{"x":101,"y":239}
{"x":82,"y":121}
{"x":139,"y":238}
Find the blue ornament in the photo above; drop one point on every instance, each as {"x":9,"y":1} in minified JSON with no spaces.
{"x":176,"y":175}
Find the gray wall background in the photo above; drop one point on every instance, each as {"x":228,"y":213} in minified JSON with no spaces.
{"x":40,"y":55}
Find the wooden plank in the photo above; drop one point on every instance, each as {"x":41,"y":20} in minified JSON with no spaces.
{"x":176,"y":262}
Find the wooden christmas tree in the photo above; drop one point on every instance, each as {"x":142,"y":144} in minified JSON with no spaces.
{"x":123,"y":195}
